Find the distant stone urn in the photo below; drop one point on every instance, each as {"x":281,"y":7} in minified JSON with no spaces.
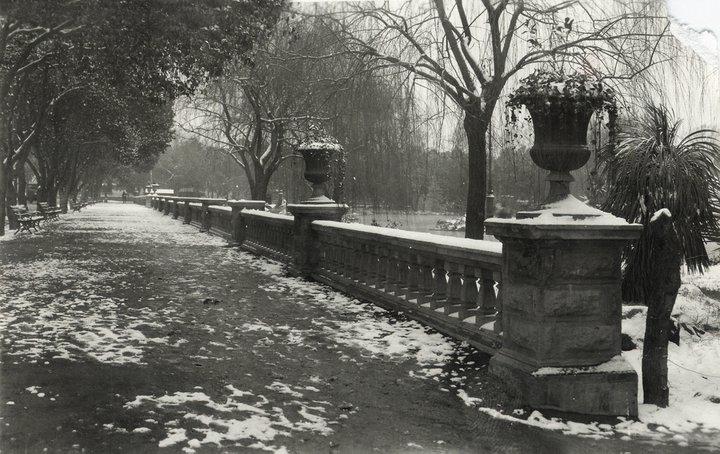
{"x":561,"y":107}
{"x":319,"y":154}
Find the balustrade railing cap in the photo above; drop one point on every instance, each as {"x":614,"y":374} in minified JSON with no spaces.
{"x":209,"y":200}
{"x":310,"y":207}
{"x":247,"y":203}
{"x":564,"y":228}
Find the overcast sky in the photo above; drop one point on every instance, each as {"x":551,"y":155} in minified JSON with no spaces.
{"x":697,"y":23}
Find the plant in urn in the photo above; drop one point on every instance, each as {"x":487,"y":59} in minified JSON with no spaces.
{"x":560,"y":107}
{"x":320,"y":152}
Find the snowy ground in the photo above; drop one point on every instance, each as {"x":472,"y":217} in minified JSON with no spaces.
{"x":694,"y":365}
{"x":107,"y":346}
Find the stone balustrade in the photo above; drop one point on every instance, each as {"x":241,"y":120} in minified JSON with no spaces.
{"x":545,"y":303}
{"x":452,"y":284}
{"x":449,"y":283}
{"x":269,"y":234}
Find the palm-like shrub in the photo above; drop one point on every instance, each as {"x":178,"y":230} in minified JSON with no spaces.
{"x":652,"y":168}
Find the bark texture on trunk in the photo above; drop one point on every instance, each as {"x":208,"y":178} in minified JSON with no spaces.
{"x":64,"y":197}
{"x":259,"y":187}
{"x":3,"y":206}
{"x":21,"y":186}
{"x":663,"y":281}
{"x":11,"y":198}
{"x":475,"y":129}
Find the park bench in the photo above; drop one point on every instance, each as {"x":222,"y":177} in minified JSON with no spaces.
{"x":49,"y":213}
{"x":77,"y":206}
{"x":26,"y":220}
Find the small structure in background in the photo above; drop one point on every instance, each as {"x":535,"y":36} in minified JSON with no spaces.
{"x":151,"y":188}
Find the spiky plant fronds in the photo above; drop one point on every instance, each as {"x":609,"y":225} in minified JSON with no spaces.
{"x":653,"y":168}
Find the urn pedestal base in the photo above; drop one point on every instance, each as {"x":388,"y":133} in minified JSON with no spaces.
{"x":561,"y":312}
{"x":609,"y":389}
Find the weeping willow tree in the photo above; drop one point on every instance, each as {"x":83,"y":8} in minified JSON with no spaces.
{"x":670,"y":184}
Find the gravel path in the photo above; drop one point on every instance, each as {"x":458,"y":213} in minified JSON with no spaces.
{"x":125,"y":331}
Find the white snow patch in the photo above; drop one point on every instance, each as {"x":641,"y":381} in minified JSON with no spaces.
{"x":469,"y":401}
{"x":246,"y":418}
{"x":174,"y":436}
{"x":661,"y":212}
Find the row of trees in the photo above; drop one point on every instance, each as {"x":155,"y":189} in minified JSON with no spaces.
{"x":87,"y":86}
{"x":388,"y":64}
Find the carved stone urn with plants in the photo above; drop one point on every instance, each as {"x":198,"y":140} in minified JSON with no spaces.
{"x":560,"y":106}
{"x":323,"y":157}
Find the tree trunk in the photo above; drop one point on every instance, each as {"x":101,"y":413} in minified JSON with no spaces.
{"x":64,"y":197}
{"x":663,"y":282}
{"x":10,"y":197}
{"x":258,"y":189}
{"x":21,"y":185}
{"x":475,"y":129}
{"x":51,"y":194}
{"x":3,"y":193}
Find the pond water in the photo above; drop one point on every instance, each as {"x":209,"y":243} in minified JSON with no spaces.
{"x":417,"y":222}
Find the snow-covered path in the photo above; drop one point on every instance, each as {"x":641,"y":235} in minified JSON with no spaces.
{"x":125,"y":331}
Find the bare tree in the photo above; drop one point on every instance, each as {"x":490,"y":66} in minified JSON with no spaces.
{"x":257,"y":111}
{"x":469,"y":51}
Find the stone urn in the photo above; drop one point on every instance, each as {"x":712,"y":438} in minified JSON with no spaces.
{"x":319,"y":154}
{"x":560,"y":107}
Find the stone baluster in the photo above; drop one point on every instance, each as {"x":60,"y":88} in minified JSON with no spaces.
{"x":362,"y":262}
{"x":440,"y":293}
{"x":355,"y":268}
{"x":470,"y":292}
{"x":391,"y":271}
{"x":488,"y":293}
{"x":188,"y":213}
{"x":426,"y":281}
{"x":498,"y":327}
{"x":325,"y":254}
{"x":402,"y":274}
{"x":331,"y":254}
{"x":381,"y":270}
{"x":454,"y":288}
{"x":413,"y":277}
{"x":205,"y":217}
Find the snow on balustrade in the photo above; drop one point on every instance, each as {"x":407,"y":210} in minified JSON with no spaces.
{"x":490,"y":247}
{"x":267,"y":215}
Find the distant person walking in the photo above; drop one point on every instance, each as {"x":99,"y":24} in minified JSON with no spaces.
{"x":124,"y":196}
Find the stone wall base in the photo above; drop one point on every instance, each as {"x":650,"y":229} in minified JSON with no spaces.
{"x":609,"y":389}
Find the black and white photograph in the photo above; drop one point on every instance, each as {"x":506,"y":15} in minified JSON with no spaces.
{"x":373,"y":226}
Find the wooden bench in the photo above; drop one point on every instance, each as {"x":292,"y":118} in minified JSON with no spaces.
{"x":77,"y":206}
{"x":26,"y":220}
{"x":48,"y":212}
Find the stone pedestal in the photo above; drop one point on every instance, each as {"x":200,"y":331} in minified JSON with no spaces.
{"x":205,"y":216}
{"x":562,"y":310}
{"x":238,"y":226}
{"x":188,"y":213}
{"x":306,"y":250}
